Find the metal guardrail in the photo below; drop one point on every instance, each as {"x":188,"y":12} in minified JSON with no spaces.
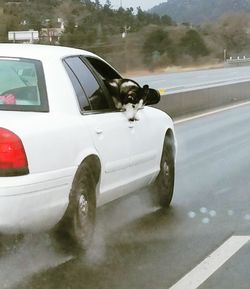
{"x":245,"y":61}
{"x":189,"y":102}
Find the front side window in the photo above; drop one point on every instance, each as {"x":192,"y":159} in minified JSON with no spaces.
{"x":22,"y":85}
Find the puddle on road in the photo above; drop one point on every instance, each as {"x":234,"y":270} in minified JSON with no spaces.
{"x":35,"y":253}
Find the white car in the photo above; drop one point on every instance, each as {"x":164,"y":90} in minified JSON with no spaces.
{"x":64,"y":147}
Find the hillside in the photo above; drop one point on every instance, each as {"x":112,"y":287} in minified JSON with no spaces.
{"x":132,"y":40}
{"x":198,"y":11}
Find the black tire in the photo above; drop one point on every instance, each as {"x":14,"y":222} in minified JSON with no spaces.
{"x":163,"y":187}
{"x":75,"y":230}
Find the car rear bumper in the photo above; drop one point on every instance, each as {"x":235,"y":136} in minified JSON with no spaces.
{"x":34,"y":202}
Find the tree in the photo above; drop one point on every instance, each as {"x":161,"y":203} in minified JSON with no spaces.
{"x":234,"y":31}
{"x":166,"y":20}
{"x":158,"y":48}
{"x":97,"y":4}
{"x":141,"y":15}
{"x":193,"y":44}
{"x":70,"y":25}
{"x":108,"y":4}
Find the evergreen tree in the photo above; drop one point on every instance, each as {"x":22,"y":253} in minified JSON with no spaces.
{"x":193,"y":44}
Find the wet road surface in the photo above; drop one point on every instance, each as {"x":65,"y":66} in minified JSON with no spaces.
{"x":139,"y":246}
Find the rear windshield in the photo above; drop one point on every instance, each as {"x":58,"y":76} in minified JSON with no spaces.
{"x":22,"y":85}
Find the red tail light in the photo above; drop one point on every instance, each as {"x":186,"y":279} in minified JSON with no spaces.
{"x":13,"y":160}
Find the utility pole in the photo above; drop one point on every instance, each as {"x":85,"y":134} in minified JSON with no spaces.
{"x":225,"y":55}
{"x":124,"y":36}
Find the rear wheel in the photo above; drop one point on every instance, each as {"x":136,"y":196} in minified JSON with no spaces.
{"x":76,"y":229}
{"x":163,"y":187}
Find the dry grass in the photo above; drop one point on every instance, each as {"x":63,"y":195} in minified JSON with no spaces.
{"x":171,"y":69}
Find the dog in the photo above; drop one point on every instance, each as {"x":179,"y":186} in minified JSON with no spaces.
{"x":128,"y":95}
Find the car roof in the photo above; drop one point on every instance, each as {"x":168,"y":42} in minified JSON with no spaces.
{"x":40,"y":52}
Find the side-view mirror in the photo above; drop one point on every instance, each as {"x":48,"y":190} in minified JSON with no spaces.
{"x":153,"y":97}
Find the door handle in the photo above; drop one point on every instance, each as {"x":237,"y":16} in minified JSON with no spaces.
{"x":99,"y":131}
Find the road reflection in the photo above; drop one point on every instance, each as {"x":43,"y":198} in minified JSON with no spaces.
{"x":20,"y":259}
{"x":122,"y":228}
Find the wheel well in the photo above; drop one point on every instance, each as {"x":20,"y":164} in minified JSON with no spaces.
{"x":170,"y":136}
{"x":95,"y":163}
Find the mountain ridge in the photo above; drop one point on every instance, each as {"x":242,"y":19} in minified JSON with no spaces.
{"x":199,"y":11}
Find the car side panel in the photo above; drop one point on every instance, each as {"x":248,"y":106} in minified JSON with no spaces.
{"x":54,"y":149}
{"x":158,"y":123}
{"x":34,"y":202}
{"x":145,"y":164}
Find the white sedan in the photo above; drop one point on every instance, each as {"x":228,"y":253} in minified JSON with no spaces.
{"x":64,"y":147}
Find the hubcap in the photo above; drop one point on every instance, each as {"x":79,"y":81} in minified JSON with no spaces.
{"x":81,"y":219}
{"x":83,"y":206}
{"x":166,"y":169}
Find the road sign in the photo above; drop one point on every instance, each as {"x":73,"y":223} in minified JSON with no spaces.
{"x":30,"y":35}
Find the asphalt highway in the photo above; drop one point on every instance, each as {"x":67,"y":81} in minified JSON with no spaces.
{"x":139,"y":246}
{"x":175,"y":82}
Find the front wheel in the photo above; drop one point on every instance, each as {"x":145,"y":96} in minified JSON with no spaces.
{"x":163,"y":187}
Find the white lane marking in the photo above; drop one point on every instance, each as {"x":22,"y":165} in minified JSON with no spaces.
{"x":212,"y":263}
{"x":211,"y":112}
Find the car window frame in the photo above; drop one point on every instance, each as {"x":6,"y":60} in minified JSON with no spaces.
{"x":100,"y":82}
{"x":82,"y":98}
{"x":42,"y":87}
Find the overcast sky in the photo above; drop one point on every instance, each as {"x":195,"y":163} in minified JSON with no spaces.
{"x":145,"y":4}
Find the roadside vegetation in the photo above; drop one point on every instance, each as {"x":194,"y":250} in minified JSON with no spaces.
{"x":149,"y":41}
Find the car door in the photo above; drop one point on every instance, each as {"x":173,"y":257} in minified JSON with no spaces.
{"x":143,"y":135}
{"x":108,"y":127}
{"x":144,"y":147}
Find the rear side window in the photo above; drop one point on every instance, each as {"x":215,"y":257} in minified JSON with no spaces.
{"x":91,"y":87}
{"x":22,"y":85}
{"x":104,"y":70}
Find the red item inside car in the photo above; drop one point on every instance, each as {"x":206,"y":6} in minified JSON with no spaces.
{"x":8,"y":99}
